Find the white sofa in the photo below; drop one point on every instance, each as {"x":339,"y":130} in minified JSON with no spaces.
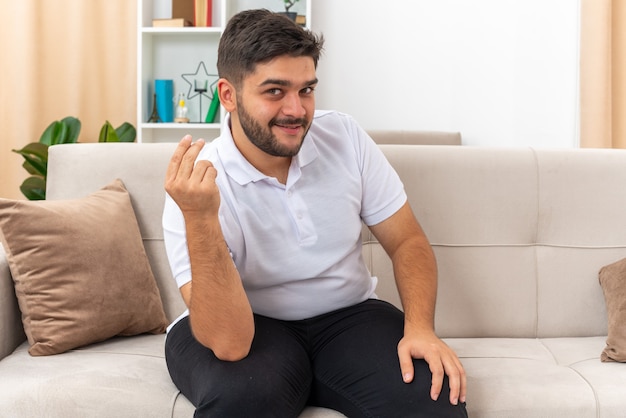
{"x":519,"y":235}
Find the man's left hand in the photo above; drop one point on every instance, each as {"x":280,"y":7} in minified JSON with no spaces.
{"x":441,"y":359}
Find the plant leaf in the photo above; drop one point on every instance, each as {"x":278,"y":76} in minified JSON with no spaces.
{"x":60,"y":136}
{"x":126,"y":132}
{"x":35,"y":149}
{"x":29,"y":168}
{"x":34,"y":188}
{"x":107,"y":133}
{"x":36,"y":156}
{"x":64,"y":131}
{"x":73,"y":129}
{"x":51,"y":133}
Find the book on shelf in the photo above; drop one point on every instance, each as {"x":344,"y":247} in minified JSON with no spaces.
{"x":178,"y":22}
{"x":203,"y":11}
{"x":184,"y":9}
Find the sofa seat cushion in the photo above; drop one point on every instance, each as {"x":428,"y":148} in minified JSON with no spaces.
{"x":508,"y":377}
{"x":121,"y":377}
{"x":127,"y":377}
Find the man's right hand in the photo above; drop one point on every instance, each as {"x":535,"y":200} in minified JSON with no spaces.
{"x":190,"y":184}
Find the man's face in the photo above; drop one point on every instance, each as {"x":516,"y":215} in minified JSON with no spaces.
{"x":275,"y":104}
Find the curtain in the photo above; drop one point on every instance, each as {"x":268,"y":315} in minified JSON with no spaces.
{"x":603,"y":74}
{"x":63,"y":58}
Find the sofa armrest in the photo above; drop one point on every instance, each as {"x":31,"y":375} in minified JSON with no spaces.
{"x":11,"y":330}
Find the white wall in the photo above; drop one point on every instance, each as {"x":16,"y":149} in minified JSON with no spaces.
{"x":502,"y":72}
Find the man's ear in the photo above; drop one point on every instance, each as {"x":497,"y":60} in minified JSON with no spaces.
{"x":227,"y":95}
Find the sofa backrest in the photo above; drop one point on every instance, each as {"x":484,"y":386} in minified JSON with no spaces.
{"x":519,"y":234}
{"x":415,"y":137}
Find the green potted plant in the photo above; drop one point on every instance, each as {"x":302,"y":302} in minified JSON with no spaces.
{"x":288,"y":5}
{"x":64,"y":131}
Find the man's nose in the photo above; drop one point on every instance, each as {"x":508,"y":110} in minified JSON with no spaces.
{"x":292,"y":106}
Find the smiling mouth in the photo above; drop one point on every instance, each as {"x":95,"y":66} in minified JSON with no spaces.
{"x":290,"y":131}
{"x":290,"y":126}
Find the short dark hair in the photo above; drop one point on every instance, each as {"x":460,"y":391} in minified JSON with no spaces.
{"x":257,"y":36}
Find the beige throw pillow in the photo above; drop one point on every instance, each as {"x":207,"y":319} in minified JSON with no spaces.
{"x":80,"y":270}
{"x":613,"y":282}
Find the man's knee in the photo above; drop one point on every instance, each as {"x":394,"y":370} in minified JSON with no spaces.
{"x":273,"y":381}
{"x":251,"y":397}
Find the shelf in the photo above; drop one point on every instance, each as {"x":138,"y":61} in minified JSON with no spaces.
{"x":186,"y":30}
{"x":171,"y":52}
{"x":173,"y":132}
{"x":181,"y":126}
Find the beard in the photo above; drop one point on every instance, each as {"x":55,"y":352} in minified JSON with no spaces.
{"x":263,"y":138}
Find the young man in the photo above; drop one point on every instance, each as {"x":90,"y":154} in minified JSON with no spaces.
{"x":263,"y":233}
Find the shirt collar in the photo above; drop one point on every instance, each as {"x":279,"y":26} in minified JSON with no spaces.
{"x":240,"y":170}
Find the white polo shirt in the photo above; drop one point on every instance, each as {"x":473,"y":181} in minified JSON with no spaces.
{"x":297,"y":246}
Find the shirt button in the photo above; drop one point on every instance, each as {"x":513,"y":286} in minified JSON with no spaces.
{"x":289,"y":193}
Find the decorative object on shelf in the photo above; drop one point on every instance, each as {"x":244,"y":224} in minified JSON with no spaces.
{"x":164,"y":90}
{"x":181,"y":110}
{"x":63,"y":131}
{"x":154,"y":116}
{"x":213,"y":108}
{"x":203,"y":13}
{"x":199,"y":86}
{"x":288,"y":5}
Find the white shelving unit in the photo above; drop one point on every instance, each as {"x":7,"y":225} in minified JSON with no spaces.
{"x":168,"y":53}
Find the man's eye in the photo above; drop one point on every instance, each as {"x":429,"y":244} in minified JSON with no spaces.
{"x":274,"y":92}
{"x":308,"y":90}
